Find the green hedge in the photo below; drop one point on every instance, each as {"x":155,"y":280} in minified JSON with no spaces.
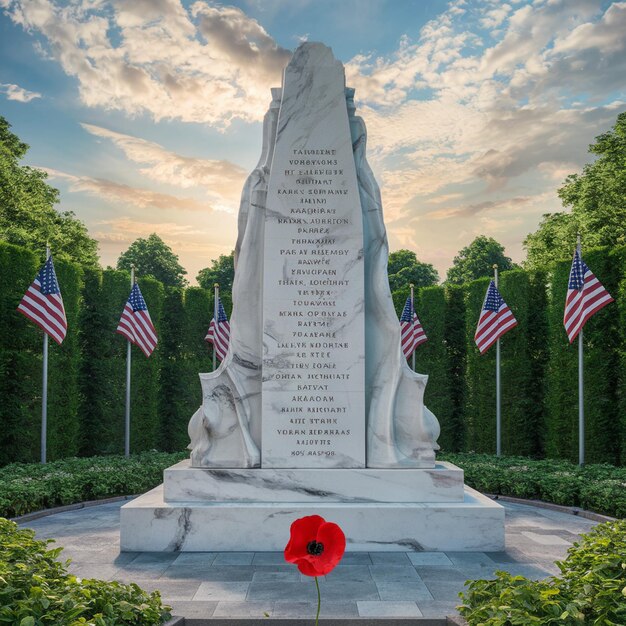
{"x":598,"y":488}
{"x":590,"y":590}
{"x":20,"y":360}
{"x":601,"y":371}
{"x":37,"y":590}
{"x":520,"y":368}
{"x":87,"y":373}
{"x":27,"y":487}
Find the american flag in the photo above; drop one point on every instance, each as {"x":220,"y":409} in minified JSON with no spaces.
{"x":495,"y":319}
{"x":585,"y":297}
{"x":411,"y":331}
{"x":135,"y":323}
{"x":219,"y":334}
{"x":42,"y":303}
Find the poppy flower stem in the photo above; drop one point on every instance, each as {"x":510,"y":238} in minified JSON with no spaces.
{"x":319,"y":601}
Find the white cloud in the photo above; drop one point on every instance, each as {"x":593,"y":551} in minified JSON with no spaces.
{"x":15,"y":92}
{"x":221,"y":180}
{"x":210,"y":64}
{"x":126,"y":194}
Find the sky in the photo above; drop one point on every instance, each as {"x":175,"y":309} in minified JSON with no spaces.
{"x":147,"y":114}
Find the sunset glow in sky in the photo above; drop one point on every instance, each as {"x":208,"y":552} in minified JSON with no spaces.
{"x":147,"y":113}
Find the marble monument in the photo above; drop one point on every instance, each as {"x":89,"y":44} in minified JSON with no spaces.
{"x":314,"y":409}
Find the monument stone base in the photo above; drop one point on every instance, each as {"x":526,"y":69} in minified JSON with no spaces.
{"x":206,"y":510}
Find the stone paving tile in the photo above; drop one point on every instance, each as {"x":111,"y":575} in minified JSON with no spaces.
{"x":427,"y":572}
{"x":228,"y":573}
{"x":222,"y":591}
{"x":388,"y":609}
{"x":244,"y":609}
{"x":355,"y":573}
{"x":393,"y":573}
{"x":268,"y":558}
{"x":546,"y":540}
{"x":416,"y":590}
{"x":284,"y":575}
{"x":171,"y":591}
{"x":444,"y":590}
{"x":234,"y":558}
{"x":429,"y":558}
{"x":501,"y":557}
{"x":285,"y":609}
{"x":439,"y":608}
{"x":301,"y":592}
{"x":194,"y":558}
{"x":356,"y":558}
{"x":193,"y":610}
{"x":154,"y":559}
{"x":102,"y":571}
{"x":389,"y":558}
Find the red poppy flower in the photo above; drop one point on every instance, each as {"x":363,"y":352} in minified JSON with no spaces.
{"x":315,"y":546}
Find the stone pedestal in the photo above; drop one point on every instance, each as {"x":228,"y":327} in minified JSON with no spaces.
{"x":200,"y":510}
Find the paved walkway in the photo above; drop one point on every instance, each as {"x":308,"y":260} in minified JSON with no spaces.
{"x":258,"y":584}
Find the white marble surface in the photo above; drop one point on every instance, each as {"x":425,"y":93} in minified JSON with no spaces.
{"x":149,"y":524}
{"x":185,"y":484}
{"x":277,"y":370}
{"x":313,"y":319}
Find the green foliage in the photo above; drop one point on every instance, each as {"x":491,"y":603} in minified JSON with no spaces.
{"x":453,"y":430}
{"x":20,"y":360}
{"x":152,"y":257}
{"x":590,"y":590}
{"x":403,"y":269}
{"x":27,"y":214}
{"x":596,"y":200}
{"x":145,"y":426}
{"x":601,"y":368}
{"x":222,"y":272}
{"x":598,"y":488}
{"x":477,"y":260}
{"x":31,"y":487}
{"x":522,"y":363}
{"x":63,"y":366}
{"x":172,"y":390}
{"x":432,"y":358}
{"x":37,"y":589}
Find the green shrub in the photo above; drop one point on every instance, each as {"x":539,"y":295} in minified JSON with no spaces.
{"x":37,"y":590}
{"x":31,"y":487}
{"x":599,"y":488}
{"x":590,"y":590}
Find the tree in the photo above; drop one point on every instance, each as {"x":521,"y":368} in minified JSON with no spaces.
{"x":222,"y":272}
{"x":403,"y":269}
{"x":597,"y":199}
{"x":27,"y":214}
{"x":477,"y":260}
{"x":153,"y":257}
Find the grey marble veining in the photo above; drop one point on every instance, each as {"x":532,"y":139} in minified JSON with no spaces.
{"x":185,"y":484}
{"x":148,"y":523}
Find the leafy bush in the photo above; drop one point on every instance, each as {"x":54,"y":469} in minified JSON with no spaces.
{"x":37,"y":590}
{"x":599,"y":488}
{"x":27,"y":487}
{"x":590,"y":590}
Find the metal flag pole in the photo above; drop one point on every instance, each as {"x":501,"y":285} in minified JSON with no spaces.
{"x":44,"y":391}
{"x":412,"y":324}
{"x":581,"y":390}
{"x":128,"y":363}
{"x":498,"y":408}
{"x":216,"y":309}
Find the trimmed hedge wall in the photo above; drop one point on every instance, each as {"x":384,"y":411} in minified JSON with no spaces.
{"x":87,"y":373}
{"x":602,"y":340}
